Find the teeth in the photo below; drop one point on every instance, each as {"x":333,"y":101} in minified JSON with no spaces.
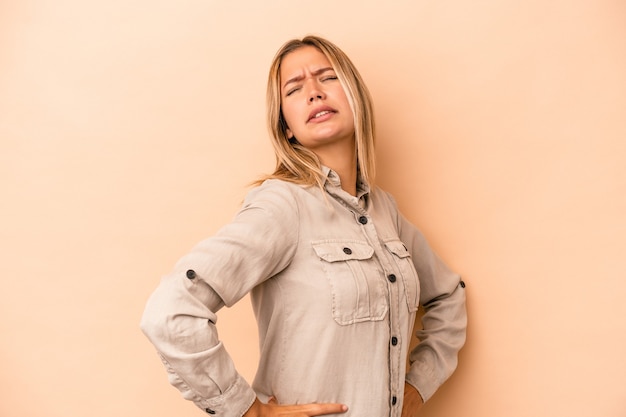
{"x":321,"y":113}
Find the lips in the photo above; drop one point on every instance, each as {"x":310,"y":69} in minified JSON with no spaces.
{"x":319,"y":112}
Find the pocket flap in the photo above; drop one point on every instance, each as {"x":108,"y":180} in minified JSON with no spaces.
{"x":397,"y":248}
{"x":342,"y":250}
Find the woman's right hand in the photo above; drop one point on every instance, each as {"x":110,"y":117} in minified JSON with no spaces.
{"x":272,"y":409}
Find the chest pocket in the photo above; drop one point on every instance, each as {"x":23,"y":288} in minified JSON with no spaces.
{"x":354,"y":277}
{"x":402,"y":258}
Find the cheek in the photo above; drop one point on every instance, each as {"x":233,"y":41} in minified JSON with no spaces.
{"x":289,"y":115}
{"x":343,"y":98}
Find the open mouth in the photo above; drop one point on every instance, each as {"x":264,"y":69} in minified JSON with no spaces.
{"x":320,"y":114}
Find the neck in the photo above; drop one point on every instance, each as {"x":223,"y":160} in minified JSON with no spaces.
{"x":343,"y":162}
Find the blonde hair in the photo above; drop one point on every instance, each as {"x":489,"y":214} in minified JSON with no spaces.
{"x":294,"y":162}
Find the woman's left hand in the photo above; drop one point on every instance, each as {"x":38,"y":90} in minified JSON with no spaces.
{"x":412,"y":403}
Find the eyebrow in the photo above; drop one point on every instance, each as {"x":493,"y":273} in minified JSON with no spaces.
{"x":300,"y":77}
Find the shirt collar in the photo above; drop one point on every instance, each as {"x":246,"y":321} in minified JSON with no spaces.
{"x":333,"y":181}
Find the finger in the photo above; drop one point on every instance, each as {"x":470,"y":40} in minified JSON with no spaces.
{"x":323,"y":409}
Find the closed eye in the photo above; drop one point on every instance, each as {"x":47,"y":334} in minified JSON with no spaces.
{"x":291,"y":91}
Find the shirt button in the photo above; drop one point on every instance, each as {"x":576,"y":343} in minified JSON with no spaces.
{"x":191,"y":274}
{"x":394,"y":340}
{"x":391,"y":278}
{"x":394,"y":400}
{"x":363,"y":220}
{"x":462,"y":284}
{"x":209,"y":411}
{"x":347,"y":251}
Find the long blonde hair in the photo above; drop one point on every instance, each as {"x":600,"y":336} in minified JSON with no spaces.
{"x":294,"y":162}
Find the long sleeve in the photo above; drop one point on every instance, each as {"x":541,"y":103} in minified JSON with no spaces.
{"x":445,"y":320}
{"x":180,"y":316}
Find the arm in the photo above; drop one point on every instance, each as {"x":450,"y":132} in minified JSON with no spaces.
{"x":412,"y":402}
{"x":180,"y":316}
{"x":444,"y":323}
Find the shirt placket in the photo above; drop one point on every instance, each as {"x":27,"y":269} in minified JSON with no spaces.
{"x":396,"y":385}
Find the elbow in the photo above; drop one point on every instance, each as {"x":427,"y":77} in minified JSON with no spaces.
{"x":154,"y":320}
{"x":176,"y":321}
{"x":162,"y":314}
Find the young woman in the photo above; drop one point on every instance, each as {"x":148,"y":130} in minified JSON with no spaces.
{"x":335,"y":273}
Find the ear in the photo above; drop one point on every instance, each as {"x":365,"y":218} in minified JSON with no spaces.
{"x":289,"y":133}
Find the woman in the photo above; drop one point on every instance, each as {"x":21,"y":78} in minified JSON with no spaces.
{"x":331,"y":265}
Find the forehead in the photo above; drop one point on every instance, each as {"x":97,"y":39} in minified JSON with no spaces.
{"x":305,"y":58}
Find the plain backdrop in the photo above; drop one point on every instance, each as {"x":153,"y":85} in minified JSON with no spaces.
{"x":131,"y":129}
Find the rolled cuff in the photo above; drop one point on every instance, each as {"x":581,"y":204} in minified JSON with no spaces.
{"x":422,"y":377}
{"x":234,"y":402}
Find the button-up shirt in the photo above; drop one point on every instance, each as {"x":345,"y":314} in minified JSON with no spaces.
{"x":335,"y":282}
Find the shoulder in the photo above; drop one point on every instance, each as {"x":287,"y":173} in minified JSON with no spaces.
{"x":270,"y":189}
{"x":382,"y":197}
{"x":273,"y":195}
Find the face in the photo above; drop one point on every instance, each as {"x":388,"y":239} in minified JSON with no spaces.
{"x":314,"y":104}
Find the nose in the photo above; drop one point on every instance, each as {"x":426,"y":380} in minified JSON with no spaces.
{"x":315,"y":92}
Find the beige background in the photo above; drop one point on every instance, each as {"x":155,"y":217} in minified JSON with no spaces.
{"x":130,"y":129}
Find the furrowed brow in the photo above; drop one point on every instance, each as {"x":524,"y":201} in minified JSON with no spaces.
{"x":300,"y":77}
{"x":322,"y":70}
{"x":293,"y":80}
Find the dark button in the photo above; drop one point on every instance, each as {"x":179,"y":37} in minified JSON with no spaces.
{"x":394,"y":400}
{"x":394,"y":340}
{"x":391,"y":278}
{"x":462,"y":284}
{"x":209,"y":411}
{"x":363,"y":220}
{"x":191,"y":274}
{"x":347,"y":251}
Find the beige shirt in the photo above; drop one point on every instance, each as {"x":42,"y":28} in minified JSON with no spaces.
{"x":334,"y":285}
